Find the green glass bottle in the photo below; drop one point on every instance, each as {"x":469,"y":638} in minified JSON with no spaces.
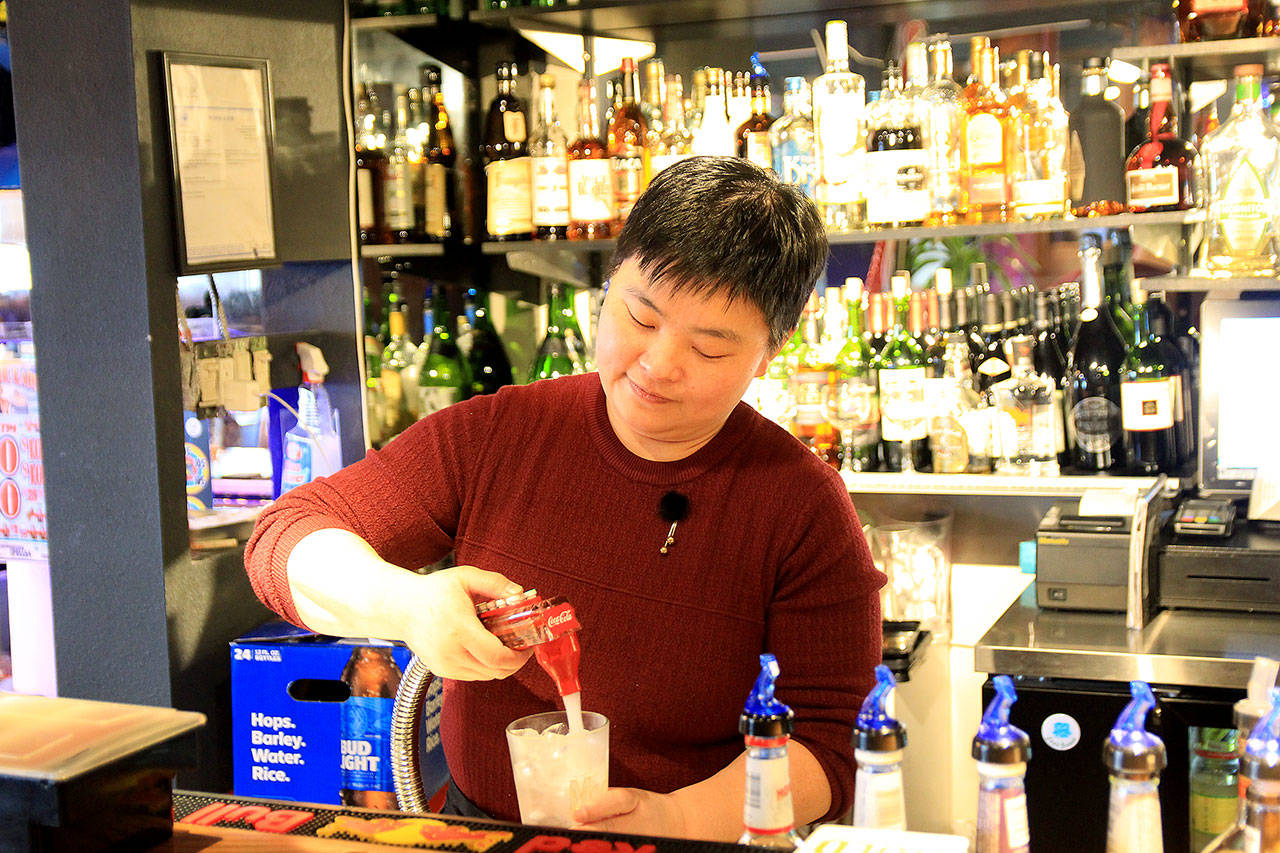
{"x":1117,"y":279}
{"x":400,"y":405}
{"x":1150,"y":396}
{"x":558,"y":355}
{"x":487,"y":361}
{"x":1094,"y":368}
{"x":900,"y":366}
{"x":854,"y":386}
{"x":442,"y":378}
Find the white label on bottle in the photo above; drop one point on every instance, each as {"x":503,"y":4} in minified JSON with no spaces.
{"x":590,"y":191}
{"x":1017,"y":833}
{"x":513,"y":126}
{"x":984,"y":135}
{"x":767,"y":809}
{"x":1242,"y":214}
{"x":364,"y":198}
{"x":878,"y":800}
{"x":510,"y":209}
{"x":978,"y":425}
{"x":550,"y":191}
{"x":1162,"y":87}
{"x":759,"y":149}
{"x":1048,"y":193}
{"x":628,"y":182}
{"x":397,"y":196}
{"x":1097,"y":425}
{"x":658,"y":162}
{"x":843,"y":163}
{"x":435,"y":183}
{"x":433,"y":398}
{"x":903,"y":415}
{"x":993,"y":367}
{"x":897,"y":186}
{"x":1147,"y":405}
{"x":1209,"y":7}
{"x":1151,"y":187}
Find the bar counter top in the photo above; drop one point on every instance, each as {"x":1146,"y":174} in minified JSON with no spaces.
{"x":1177,"y":647}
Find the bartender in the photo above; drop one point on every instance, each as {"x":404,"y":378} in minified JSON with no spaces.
{"x":567,"y":486}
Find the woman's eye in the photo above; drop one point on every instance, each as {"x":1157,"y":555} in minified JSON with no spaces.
{"x":707,"y":355}
{"x":637,"y":322}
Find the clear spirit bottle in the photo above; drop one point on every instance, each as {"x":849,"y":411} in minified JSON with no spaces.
{"x":897,"y":180}
{"x":675,"y":142}
{"x":1241,"y":163}
{"x":549,"y":158}
{"x":1040,"y":143}
{"x":793,"y":141}
{"x":944,"y":132}
{"x":839,"y":103}
{"x":713,"y":135}
{"x":1028,"y":432}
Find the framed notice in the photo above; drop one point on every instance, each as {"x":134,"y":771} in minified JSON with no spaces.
{"x":221,"y":136}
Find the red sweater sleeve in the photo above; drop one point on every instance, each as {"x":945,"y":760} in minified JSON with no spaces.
{"x":824,"y":627}
{"x":404,"y":500}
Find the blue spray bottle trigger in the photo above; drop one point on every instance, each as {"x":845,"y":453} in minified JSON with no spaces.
{"x":757,"y":67}
{"x":1130,"y":748}
{"x":998,"y":741}
{"x":1262,"y":749}
{"x":874,"y":730}
{"x":763,"y":715}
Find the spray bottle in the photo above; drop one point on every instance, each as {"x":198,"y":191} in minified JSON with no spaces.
{"x":312,"y":448}
{"x":1002,"y":750}
{"x":1258,"y":826}
{"x":1134,"y":759}
{"x":878,"y":741}
{"x":767,"y":815}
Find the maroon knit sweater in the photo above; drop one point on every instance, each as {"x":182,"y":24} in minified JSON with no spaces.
{"x":532,"y":482}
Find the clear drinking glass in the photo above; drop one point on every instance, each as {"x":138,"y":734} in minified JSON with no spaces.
{"x":848,"y":403}
{"x":556,"y":772}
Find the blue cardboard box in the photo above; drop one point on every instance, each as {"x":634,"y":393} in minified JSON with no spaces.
{"x":298,"y":733}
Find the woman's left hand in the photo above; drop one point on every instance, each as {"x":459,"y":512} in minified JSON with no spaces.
{"x":632,"y":810}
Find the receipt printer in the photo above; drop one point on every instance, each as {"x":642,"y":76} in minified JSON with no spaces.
{"x":1082,"y":561}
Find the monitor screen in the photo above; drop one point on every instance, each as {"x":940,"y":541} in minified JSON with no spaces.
{"x":1238,"y":410}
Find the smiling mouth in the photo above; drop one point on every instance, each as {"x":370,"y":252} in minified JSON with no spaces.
{"x":647,"y":396}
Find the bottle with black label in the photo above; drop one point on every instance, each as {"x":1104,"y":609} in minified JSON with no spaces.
{"x":506,"y":162}
{"x":1096,"y":159}
{"x":897,"y":166}
{"x":1094,"y":371}
{"x":991,"y":367}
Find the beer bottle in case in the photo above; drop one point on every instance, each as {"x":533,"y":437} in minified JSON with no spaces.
{"x":365,"y":728}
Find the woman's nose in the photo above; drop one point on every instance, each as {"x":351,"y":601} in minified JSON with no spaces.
{"x":661,"y":359}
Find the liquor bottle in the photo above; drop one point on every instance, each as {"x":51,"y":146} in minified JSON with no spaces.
{"x":1117,"y":279}
{"x":901,"y":371}
{"x":399,"y":379}
{"x":752,"y":136}
{"x":768,"y":817}
{"x":1002,"y":751}
{"x":1160,"y":173}
{"x":1149,"y":398}
{"x":549,"y":162}
{"x":627,"y":154}
{"x":442,"y":376}
{"x":991,"y":366}
{"x":896,"y":164}
{"x":877,"y":320}
{"x":371,"y":164}
{"x":1027,"y":416}
{"x":1096,"y":159}
{"x":1241,"y":162}
{"x":1206,"y":20}
{"x":590,"y":182}
{"x":809,"y":380}
{"x":1094,"y":369}
{"x":675,"y":142}
{"x":696,"y":99}
{"x":1050,"y":360}
{"x":917,"y":328}
{"x":943,"y":317}
{"x":835,"y":320}
{"x":365,"y":727}
{"x":839,"y":102}
{"x":713,"y":135}
{"x":439,"y":159}
{"x":506,"y":162}
{"x":792,"y":138}
{"x":556,"y":356}
{"x":1041,"y":141}
{"x":1134,"y":758}
{"x":1214,"y":796}
{"x":488,"y":366}
{"x":853,"y":399}
{"x":653,"y":98}
{"x":944,"y":137}
{"x":988,"y":144}
{"x":737,"y":99}
{"x":960,"y":420}
{"x":397,"y":185}
{"x":1163,"y":332}
{"x":1136,"y":125}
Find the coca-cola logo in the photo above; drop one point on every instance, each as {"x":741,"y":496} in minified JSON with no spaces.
{"x":561,"y":620}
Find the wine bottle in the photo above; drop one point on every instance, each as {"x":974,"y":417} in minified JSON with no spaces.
{"x":488,"y":366}
{"x":371,"y":167}
{"x":1163,"y":331}
{"x":556,"y":356}
{"x":506,"y":162}
{"x":442,"y":376}
{"x":399,"y":386}
{"x":901,"y":370}
{"x":1094,"y":370}
{"x":991,"y":366}
{"x":1149,"y":397}
{"x":439,"y":160}
{"x":860,"y":402}
{"x":1050,"y":361}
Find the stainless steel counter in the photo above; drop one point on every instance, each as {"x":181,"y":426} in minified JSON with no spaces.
{"x":1178,"y":647}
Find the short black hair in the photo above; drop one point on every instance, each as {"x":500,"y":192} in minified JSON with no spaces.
{"x":723,"y":224}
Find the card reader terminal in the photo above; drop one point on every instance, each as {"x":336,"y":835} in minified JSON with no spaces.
{"x":1200,"y":517}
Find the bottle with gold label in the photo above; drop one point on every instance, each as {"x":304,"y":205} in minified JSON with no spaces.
{"x":752,"y":135}
{"x":988,"y":143}
{"x":590,"y":183}
{"x":438,"y":160}
{"x":548,"y":152}
{"x":506,"y":162}
{"x":628,"y":158}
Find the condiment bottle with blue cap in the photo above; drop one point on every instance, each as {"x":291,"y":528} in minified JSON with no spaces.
{"x":767,"y":815}
{"x":1258,"y":826}
{"x":1002,"y":750}
{"x":1134,"y":759}
{"x":878,"y":741}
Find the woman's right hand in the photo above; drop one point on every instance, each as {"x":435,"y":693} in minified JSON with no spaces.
{"x":441,"y":627}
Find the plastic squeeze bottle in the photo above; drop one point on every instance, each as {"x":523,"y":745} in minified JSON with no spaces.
{"x":1258,"y":827}
{"x":312,"y":448}
{"x":767,"y":816}
{"x":878,"y":741}
{"x":1002,"y":750}
{"x":1134,"y":759}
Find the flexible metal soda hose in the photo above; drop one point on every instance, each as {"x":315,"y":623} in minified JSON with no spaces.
{"x":406,"y":723}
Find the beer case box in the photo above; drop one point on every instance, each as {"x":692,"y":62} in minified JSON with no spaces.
{"x":288,"y":703}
